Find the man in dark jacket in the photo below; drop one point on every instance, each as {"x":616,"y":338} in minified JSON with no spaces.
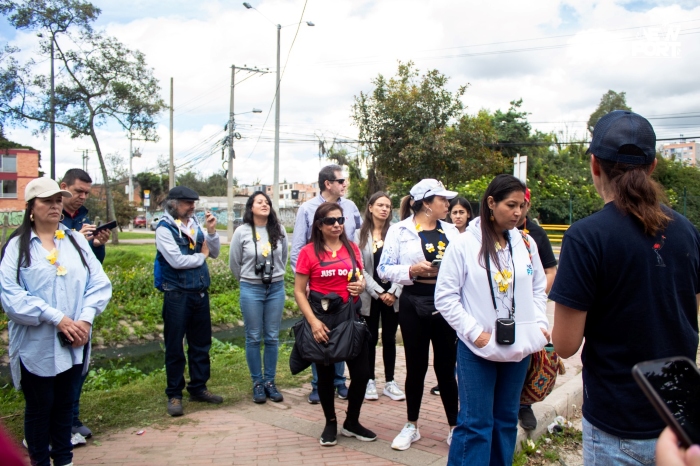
{"x":75,"y":217}
{"x":75,"y":214}
{"x":182,"y":274}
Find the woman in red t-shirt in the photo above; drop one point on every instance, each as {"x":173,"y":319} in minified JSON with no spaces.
{"x":325,"y":265}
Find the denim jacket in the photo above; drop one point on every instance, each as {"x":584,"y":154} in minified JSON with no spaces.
{"x":192,"y":279}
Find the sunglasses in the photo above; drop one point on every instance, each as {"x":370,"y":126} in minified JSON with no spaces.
{"x":331,"y":220}
{"x":340,"y":181}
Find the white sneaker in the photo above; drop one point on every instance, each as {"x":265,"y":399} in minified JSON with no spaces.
{"x":406,"y":437}
{"x":77,"y":439}
{"x":371,"y":391}
{"x":449,"y":437}
{"x":392,"y":390}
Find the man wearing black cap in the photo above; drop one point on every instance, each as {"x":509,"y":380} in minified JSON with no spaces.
{"x":627,"y":281}
{"x":182,"y":274}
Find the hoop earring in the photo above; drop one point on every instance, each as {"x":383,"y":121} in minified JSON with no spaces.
{"x":428,"y":211}
{"x":491,"y":218}
{"x":31,"y":217}
{"x":62,"y":217}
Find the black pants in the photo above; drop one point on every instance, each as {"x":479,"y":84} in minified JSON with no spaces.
{"x":186,"y":314}
{"x":417,"y":334}
{"x":359,"y":375}
{"x":48,"y":415}
{"x":390,"y":322}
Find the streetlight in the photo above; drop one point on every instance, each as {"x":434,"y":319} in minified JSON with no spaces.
{"x":276,"y":176}
{"x":132,"y":154}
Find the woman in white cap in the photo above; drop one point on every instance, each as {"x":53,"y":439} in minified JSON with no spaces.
{"x":53,"y":286}
{"x":413,"y":249}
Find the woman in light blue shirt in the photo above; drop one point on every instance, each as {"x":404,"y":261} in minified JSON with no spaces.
{"x":53,"y":286}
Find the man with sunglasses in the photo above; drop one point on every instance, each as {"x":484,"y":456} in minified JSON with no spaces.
{"x":333,"y":186}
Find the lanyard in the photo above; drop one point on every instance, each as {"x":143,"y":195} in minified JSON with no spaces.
{"x":488,"y":277}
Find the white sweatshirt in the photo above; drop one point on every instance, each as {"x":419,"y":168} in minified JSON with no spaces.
{"x":463,"y":298}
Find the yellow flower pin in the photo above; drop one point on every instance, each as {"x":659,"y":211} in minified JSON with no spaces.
{"x":498,"y":246}
{"x":429,"y":247}
{"x":53,"y":256}
{"x":418,"y":227}
{"x":441,"y":245}
{"x":61,"y":270}
{"x":60,"y":234}
{"x":441,"y":231}
{"x":257,"y":236}
{"x":335,"y":254}
{"x":266,"y":249}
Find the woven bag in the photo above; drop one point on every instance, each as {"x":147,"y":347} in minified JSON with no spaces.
{"x":541,"y":375}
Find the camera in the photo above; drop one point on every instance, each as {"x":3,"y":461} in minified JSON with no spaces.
{"x":265,"y":268}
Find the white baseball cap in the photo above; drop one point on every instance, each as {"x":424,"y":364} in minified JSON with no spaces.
{"x":430,"y":187}
{"x":43,"y":187}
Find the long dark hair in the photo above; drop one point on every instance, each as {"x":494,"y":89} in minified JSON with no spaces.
{"x":464,"y":203}
{"x":274,"y":229}
{"x":410,"y":207}
{"x":636,"y":192}
{"x":24,"y":231}
{"x":317,"y":236}
{"x":368,"y":222}
{"x":499,"y":189}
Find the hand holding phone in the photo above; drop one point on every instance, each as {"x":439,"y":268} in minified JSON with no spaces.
{"x":673,"y":388}
{"x":436,"y":263}
{"x":106,"y":226}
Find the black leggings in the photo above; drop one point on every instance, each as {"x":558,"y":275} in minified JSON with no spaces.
{"x":390,"y":322}
{"x":417,"y":334}
{"x":359,"y":375}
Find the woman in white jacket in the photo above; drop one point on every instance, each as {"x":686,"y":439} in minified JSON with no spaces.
{"x":410,"y":248}
{"x":380,"y":300}
{"x":492,"y":272}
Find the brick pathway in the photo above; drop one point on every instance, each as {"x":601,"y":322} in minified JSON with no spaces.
{"x":284,"y":433}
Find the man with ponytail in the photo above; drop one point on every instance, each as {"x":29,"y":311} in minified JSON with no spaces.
{"x":628,"y":281}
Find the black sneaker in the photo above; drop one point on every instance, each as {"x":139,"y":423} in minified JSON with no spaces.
{"x":175,"y":407}
{"x":207,"y":397}
{"x":435,"y":390}
{"x":329,"y":435}
{"x":259,"y":393}
{"x":342,"y":391}
{"x":528,"y":421}
{"x":313,"y":397}
{"x":355,"y":429}
{"x":272,"y":392}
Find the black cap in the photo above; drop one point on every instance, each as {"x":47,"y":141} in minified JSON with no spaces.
{"x":620,"y":131}
{"x":183,"y":193}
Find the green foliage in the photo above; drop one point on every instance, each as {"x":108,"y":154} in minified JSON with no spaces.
{"x":682,"y":186}
{"x":117,"y":375}
{"x":547,"y":447}
{"x":610,"y":101}
{"x":214,"y":185}
{"x":156,"y":184}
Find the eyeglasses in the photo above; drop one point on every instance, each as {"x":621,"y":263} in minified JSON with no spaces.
{"x":339,"y":180}
{"x":331,"y":220}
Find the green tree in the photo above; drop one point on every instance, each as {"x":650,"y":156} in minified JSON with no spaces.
{"x":357,"y":190}
{"x":102,"y":81}
{"x":156,"y":184}
{"x":403,"y":123}
{"x":610,"y":101}
{"x":51,"y":17}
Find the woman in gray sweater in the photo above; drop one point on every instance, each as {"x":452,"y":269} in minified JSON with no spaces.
{"x":258,"y":259}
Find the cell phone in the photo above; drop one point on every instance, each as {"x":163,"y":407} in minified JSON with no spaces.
{"x":436,"y":263}
{"x":673,"y":388}
{"x":105,"y":226}
{"x":63,"y":339}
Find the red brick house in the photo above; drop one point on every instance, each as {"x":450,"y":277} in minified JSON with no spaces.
{"x":17,"y":168}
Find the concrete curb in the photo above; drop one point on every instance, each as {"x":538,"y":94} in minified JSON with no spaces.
{"x":561,"y":402}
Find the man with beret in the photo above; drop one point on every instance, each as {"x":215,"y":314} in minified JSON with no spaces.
{"x":181,"y":272}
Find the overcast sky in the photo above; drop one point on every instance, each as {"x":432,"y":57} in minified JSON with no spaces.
{"x":559,"y":56}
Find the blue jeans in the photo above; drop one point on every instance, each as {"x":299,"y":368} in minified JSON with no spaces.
{"x":186,"y":314}
{"x":48,"y":413}
{"x":338,"y":378}
{"x":489,"y":399}
{"x":262,"y":306}
{"x":601,"y":448}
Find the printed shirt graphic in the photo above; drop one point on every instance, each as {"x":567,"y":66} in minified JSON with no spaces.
{"x":330,"y":274}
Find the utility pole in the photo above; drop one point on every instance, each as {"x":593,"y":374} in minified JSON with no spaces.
{"x":231,"y":156}
{"x":231,"y":153}
{"x":53,"y":113}
{"x":276,"y":176}
{"x":132,"y":154}
{"x":171,"y":182}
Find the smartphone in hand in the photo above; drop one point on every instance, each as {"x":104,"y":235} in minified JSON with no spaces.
{"x":436,"y":263}
{"x":673,"y":388}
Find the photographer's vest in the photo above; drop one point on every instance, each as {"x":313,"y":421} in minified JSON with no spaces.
{"x":167,"y":278}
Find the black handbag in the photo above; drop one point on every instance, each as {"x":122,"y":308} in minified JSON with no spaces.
{"x":346,"y":337}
